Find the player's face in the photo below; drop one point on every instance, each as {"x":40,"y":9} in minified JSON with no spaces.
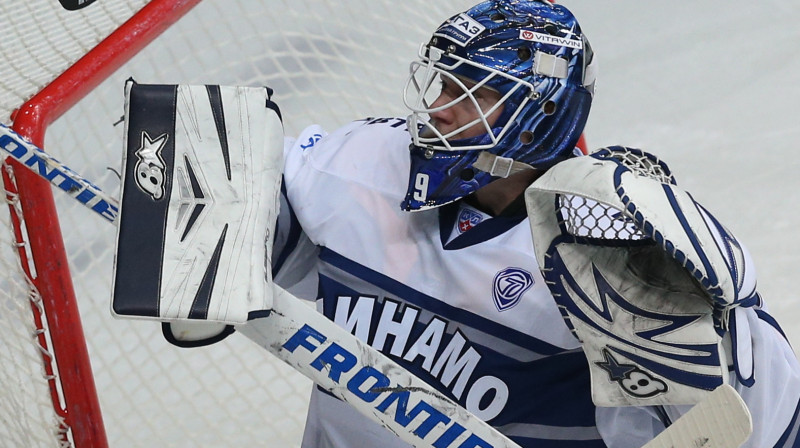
{"x":464,"y":111}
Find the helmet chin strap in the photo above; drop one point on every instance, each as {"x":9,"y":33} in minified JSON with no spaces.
{"x":499,"y":166}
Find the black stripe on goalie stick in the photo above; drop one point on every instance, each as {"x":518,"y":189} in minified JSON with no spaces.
{"x":74,"y":5}
{"x":57,"y":174}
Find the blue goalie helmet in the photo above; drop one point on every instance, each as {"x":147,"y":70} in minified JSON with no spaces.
{"x":534,"y":59}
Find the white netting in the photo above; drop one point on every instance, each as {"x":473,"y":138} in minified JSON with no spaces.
{"x":584,"y":217}
{"x":27,"y":417}
{"x":641,"y":164}
{"x":40,"y":40}
{"x":328,"y":61}
{"x":588,"y":218}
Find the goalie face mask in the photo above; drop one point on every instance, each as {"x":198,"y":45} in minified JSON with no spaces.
{"x":644,"y":276}
{"x":535,"y":57}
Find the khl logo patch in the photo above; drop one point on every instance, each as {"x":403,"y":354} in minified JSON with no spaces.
{"x":468,"y":219}
{"x":509,"y":285}
{"x":631,"y":379}
{"x":150,"y":167}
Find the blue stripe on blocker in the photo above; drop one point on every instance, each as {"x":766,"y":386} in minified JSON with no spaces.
{"x":143,"y":211}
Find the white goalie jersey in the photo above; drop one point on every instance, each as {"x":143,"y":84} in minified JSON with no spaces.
{"x":456,"y":297}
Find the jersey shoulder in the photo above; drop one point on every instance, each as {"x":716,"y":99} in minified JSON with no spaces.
{"x":371,"y":153}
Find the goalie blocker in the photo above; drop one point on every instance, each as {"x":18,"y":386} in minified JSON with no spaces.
{"x":202,"y":172}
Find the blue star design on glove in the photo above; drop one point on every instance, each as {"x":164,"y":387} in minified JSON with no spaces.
{"x":616,"y":371}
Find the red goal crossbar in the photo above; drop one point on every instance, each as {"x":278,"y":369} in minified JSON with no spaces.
{"x":80,"y":410}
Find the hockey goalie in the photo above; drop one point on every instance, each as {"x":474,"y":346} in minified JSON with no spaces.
{"x":592,"y":311}
{"x":658,"y":297}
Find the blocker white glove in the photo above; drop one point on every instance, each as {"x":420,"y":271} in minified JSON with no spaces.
{"x":199,"y":203}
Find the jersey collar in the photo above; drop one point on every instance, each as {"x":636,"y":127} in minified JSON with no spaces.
{"x":483,"y":231}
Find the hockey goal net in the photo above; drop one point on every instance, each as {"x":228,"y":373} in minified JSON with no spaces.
{"x":82,"y":378}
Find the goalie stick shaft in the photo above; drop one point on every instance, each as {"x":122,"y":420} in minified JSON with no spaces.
{"x":366,"y":379}
{"x":58,"y":174}
{"x":721,"y":420}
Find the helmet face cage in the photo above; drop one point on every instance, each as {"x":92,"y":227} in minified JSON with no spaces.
{"x":423,"y":88}
{"x":535,"y":56}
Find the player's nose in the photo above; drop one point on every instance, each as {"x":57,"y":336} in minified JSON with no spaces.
{"x":442,"y":118}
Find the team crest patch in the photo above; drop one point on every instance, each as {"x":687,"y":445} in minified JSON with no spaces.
{"x":150,"y":167}
{"x":509,"y":285}
{"x":633,"y":380}
{"x":468,"y":219}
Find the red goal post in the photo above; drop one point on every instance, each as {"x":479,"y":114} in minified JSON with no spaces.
{"x":68,"y":366}
{"x":72,"y":391}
